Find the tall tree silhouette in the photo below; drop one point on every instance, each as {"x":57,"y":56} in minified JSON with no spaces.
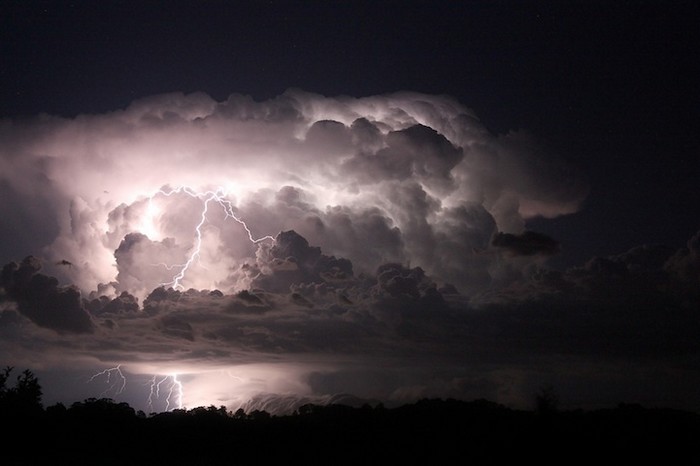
{"x":22,"y":399}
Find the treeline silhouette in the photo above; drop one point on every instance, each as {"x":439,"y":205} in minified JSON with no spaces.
{"x":430,"y":431}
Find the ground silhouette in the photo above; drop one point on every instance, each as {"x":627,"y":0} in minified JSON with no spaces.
{"x":430,"y":431}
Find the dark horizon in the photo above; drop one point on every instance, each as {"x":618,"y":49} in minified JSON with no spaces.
{"x":428,"y":430}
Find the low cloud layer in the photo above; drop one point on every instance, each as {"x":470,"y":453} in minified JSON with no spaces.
{"x":310,"y":330}
{"x":313,"y":248}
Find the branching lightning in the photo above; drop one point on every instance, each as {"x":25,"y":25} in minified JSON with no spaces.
{"x":112,"y":372}
{"x":219,"y":196}
{"x":174,"y":395}
{"x":166,"y":389}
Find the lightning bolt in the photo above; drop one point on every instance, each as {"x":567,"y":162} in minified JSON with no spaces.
{"x":167,"y":388}
{"x":175,"y":392}
{"x":118,"y":375}
{"x":155,"y":392}
{"x":217,"y":196}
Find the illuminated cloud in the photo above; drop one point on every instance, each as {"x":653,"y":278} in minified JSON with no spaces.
{"x":317,"y":333}
{"x":270,"y":250}
{"x":375,"y":179}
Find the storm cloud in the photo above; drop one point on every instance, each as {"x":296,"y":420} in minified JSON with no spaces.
{"x":310,"y":330}
{"x":300,"y":247}
{"x":377,"y":179}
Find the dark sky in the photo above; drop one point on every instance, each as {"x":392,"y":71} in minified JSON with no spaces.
{"x":588,"y":115}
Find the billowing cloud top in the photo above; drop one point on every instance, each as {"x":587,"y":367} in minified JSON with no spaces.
{"x":308,"y":246}
{"x":395,"y":178}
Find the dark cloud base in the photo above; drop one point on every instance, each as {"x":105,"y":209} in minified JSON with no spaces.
{"x":395,"y":333}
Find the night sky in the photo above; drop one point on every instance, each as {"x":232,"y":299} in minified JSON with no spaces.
{"x":259,"y":204}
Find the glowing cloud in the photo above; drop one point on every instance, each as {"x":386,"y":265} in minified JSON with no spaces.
{"x":276,"y":241}
{"x":376,"y":179}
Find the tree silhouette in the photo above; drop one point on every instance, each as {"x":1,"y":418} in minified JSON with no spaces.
{"x":22,"y":399}
{"x":429,"y":431}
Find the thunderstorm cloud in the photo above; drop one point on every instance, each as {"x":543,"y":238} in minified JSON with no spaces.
{"x":307,"y":247}
{"x":395,"y":178}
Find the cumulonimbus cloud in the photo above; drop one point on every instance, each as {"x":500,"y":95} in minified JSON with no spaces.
{"x":403,"y":177}
{"x":303,"y":235}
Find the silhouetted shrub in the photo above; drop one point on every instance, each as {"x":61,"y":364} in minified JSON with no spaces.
{"x":24,"y":398}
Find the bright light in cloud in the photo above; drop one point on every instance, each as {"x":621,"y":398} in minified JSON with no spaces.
{"x":237,"y":236}
{"x":147,"y":225}
{"x":217,"y":196}
{"x":412,"y":157}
